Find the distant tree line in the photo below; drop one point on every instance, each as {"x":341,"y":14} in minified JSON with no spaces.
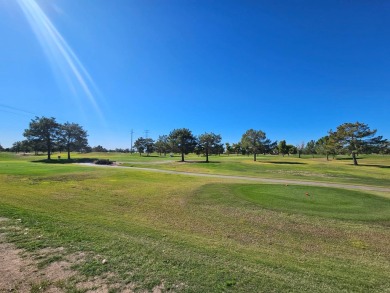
{"x":46,"y":135}
{"x":181,"y":141}
{"x":349,"y":138}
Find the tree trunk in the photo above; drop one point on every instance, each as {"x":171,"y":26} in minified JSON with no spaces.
{"x":299,"y":154}
{"x":68,"y":149}
{"x":182,"y":156}
{"x":254,"y":157}
{"x":327,"y":156}
{"x":207,"y":155}
{"x":354,"y":159}
{"x":48,"y":150}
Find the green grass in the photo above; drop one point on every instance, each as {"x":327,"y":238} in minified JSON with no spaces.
{"x":201,"y":234}
{"x":328,"y":203}
{"x":373,"y":169}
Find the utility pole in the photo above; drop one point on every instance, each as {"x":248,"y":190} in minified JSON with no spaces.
{"x":146,"y":133}
{"x":131,"y":142}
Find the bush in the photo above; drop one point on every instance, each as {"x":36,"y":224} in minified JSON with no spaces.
{"x":104,"y":162}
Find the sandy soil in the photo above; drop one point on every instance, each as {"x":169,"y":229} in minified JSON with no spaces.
{"x":19,"y":272}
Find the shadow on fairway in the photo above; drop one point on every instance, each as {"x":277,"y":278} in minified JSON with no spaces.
{"x":66,"y":161}
{"x":200,"y":162}
{"x":348,"y":159}
{"x":287,"y":163}
{"x":377,"y":166}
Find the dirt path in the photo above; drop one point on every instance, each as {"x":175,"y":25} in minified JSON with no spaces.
{"x":256,"y":179}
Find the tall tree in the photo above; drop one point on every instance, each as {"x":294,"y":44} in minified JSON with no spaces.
{"x":73,"y":137}
{"x":162,"y":145}
{"x":311,"y":148}
{"x":139,"y":144}
{"x":282,"y":147}
{"x":326,"y":145}
{"x":269,"y":146}
{"x":253,"y":140}
{"x":210,"y":143}
{"x":300,"y":148}
{"x":149,"y":146}
{"x":183,"y":140}
{"x":16,"y":146}
{"x":45,"y":130}
{"x":291,"y":149}
{"x":355,"y":137}
{"x":25,"y":146}
{"x":229,"y":148}
{"x":144,"y":145}
{"x":237,"y":147}
{"x":99,"y":149}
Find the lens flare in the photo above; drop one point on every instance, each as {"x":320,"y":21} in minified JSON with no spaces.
{"x":60,"y":54}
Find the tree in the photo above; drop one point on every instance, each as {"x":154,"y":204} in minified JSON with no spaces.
{"x":210,"y":143}
{"x":144,"y":145}
{"x":229,"y":148}
{"x":282,"y":147}
{"x":139,"y":144}
{"x":269,"y":146}
{"x":253,"y":140}
{"x":385,"y":148}
{"x":291,"y":149}
{"x":149,"y":146}
{"x":311,"y":148}
{"x":326,"y":145}
{"x":25,"y":146}
{"x":73,"y":137}
{"x":378,"y":145}
{"x":218,"y":149}
{"x":237,"y":147}
{"x":183,"y":140}
{"x":354,"y":138}
{"x":16,"y":146}
{"x":300,"y":148}
{"x":162,"y":145}
{"x":99,"y":149}
{"x":1,"y":148}
{"x":45,"y":130}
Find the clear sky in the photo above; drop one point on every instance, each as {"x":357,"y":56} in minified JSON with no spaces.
{"x":294,"y":69}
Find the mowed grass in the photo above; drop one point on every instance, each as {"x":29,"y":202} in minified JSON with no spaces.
{"x":199,"y":234}
{"x":373,"y":169}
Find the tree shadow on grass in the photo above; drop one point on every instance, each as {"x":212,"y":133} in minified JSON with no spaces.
{"x":287,"y":163}
{"x":66,"y":161}
{"x":348,"y":159}
{"x":200,"y":162}
{"x":376,"y":166}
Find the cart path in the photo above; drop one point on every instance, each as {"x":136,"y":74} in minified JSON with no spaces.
{"x":253,"y":179}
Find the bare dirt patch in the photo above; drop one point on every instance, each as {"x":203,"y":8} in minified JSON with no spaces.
{"x":22,"y":271}
{"x":19,"y":272}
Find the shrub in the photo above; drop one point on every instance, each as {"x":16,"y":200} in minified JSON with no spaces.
{"x":104,"y":162}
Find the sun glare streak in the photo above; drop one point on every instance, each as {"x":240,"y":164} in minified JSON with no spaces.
{"x":59,"y":52}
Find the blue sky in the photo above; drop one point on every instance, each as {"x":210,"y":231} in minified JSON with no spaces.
{"x":294,"y":69}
